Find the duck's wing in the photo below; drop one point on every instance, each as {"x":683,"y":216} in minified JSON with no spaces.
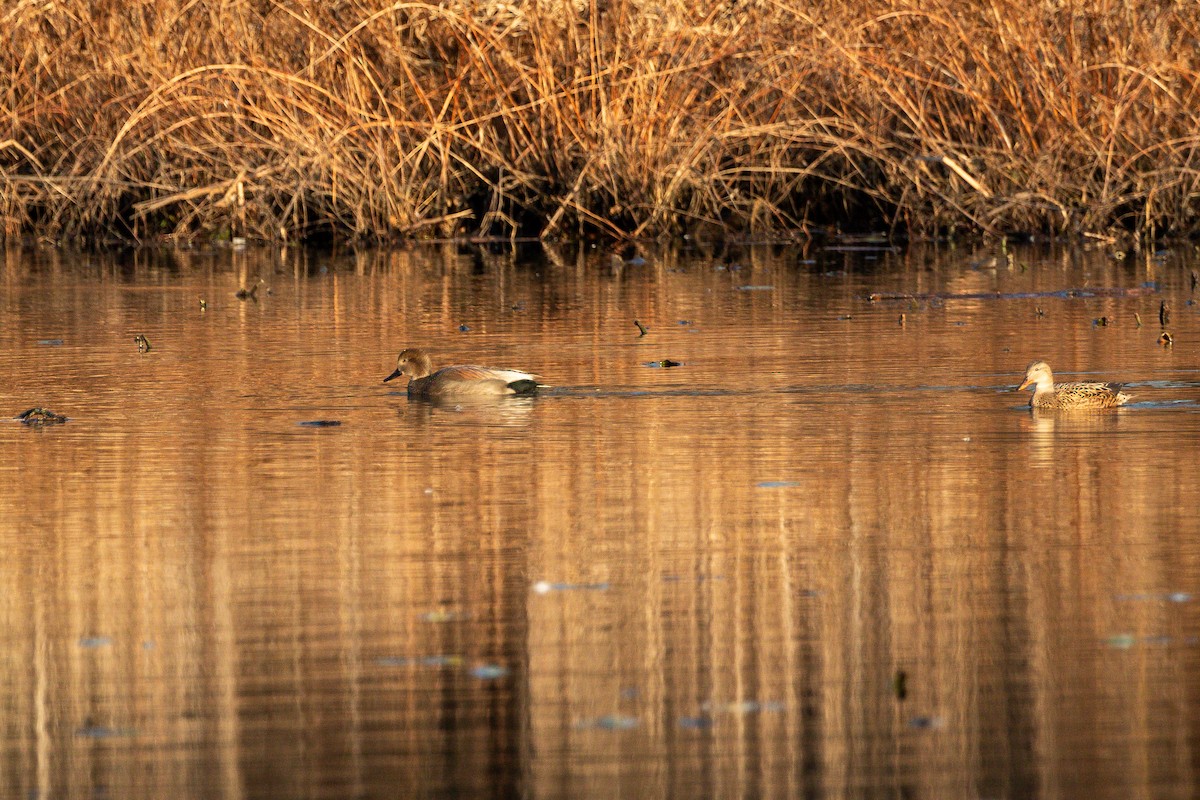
{"x":1090,"y":393}
{"x":470,"y":372}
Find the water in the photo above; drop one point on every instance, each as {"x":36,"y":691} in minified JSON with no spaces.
{"x":829,"y":555}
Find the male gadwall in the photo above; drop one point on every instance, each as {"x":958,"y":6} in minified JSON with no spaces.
{"x":458,"y":380}
{"x":1047,"y":394}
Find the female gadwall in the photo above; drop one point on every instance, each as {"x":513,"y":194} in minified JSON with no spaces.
{"x":459,"y":380}
{"x":1069,"y":395}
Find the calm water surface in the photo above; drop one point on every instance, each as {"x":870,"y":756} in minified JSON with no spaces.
{"x":831,"y":555}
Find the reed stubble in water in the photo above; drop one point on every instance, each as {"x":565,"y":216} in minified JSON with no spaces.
{"x":368,"y":119}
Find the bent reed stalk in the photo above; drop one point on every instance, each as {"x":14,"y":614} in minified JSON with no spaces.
{"x":363,"y":119}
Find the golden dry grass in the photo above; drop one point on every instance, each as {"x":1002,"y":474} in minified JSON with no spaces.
{"x":277,"y":119}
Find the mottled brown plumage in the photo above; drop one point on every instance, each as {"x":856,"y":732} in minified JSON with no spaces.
{"x":1047,"y":394}
{"x":459,"y":380}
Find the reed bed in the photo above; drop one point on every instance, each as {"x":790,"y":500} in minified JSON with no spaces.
{"x":287,"y":119}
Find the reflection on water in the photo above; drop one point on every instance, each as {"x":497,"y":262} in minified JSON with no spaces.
{"x":830,"y":555}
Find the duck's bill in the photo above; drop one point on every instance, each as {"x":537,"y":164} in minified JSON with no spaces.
{"x":1025,"y":383}
{"x":395,"y":374}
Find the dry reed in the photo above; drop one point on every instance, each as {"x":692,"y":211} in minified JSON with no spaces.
{"x":281,"y":120}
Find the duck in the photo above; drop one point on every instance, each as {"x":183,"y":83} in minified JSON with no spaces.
{"x":459,"y":380}
{"x":1069,"y":395}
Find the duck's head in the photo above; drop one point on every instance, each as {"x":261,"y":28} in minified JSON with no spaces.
{"x":411,"y":362}
{"x":1038,"y":373}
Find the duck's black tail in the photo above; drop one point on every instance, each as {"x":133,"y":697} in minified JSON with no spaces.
{"x":524,"y":386}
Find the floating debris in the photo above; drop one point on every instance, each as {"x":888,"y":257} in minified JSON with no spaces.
{"x":900,"y":684}
{"x":926,"y":723}
{"x":698,"y":578}
{"x":1100,"y":322}
{"x":1124,"y":641}
{"x":744,"y":707}
{"x":464,"y":328}
{"x":609,"y":722}
{"x":1137,"y":318}
{"x":1164,"y":313}
{"x":699,"y":723}
{"x":50,"y":342}
{"x":1195,"y":280}
{"x":642,"y":331}
{"x":545,"y":587}
{"x":444,"y":615}
{"x":1169,"y":597}
{"x":104,"y":732}
{"x":203,"y":304}
{"x":666,"y":363}
{"x":1165,"y":339}
{"x":1038,"y":310}
{"x":92,"y":642}
{"x":420,"y":661}
{"x":1121,"y":641}
{"x":251,"y":293}
{"x":902,"y":320}
{"x":40,"y":416}
{"x":488,"y":672}
{"x":142,"y":342}
{"x":320,"y":423}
